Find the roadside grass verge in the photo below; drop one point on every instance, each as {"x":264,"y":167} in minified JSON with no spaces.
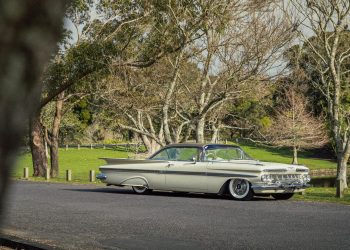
{"x":323,"y":194}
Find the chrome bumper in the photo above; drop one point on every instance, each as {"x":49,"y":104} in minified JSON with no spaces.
{"x":284,"y":187}
{"x":101,"y":177}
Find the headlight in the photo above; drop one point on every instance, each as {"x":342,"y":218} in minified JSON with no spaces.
{"x":306,"y":178}
{"x":266,"y":178}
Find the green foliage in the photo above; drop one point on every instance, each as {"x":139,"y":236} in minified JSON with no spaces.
{"x":84,"y":112}
{"x":265,"y":122}
{"x":253,"y":112}
{"x":71,"y":129}
{"x":306,"y":69}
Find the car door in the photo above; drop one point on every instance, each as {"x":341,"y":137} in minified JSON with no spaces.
{"x":185,"y":171}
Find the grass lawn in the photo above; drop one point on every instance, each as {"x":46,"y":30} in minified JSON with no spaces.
{"x":323,"y":194}
{"x":79,"y":161}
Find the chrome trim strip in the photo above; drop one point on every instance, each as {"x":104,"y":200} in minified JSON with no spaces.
{"x":145,"y":171}
{"x":233,"y":161}
{"x":238,"y":170}
{"x":302,"y":170}
{"x":275,"y":170}
{"x":280,"y":186}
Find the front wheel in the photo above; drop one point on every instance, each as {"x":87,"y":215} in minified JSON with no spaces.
{"x":240,"y":189}
{"x":141,"y":190}
{"x":282,"y":196}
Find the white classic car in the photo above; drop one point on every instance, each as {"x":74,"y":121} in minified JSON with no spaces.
{"x":206,"y":168}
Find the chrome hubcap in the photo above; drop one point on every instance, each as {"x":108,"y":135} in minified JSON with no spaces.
{"x":239,"y":188}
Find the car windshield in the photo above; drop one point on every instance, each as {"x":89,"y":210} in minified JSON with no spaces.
{"x":224,"y":153}
{"x":178,"y":154}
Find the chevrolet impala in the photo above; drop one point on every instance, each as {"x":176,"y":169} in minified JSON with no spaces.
{"x":206,"y":168}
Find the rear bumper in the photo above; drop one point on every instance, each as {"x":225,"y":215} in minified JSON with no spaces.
{"x":280,"y":188}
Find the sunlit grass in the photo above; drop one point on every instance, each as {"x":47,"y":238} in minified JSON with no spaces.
{"x":79,"y":161}
{"x":323,"y":194}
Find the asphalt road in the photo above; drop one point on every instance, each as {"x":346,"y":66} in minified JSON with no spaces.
{"x":97,"y":217}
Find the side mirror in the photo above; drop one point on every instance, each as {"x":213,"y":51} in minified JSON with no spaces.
{"x":194,"y":159}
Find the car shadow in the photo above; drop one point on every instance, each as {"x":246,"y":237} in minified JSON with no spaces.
{"x":164,"y":194}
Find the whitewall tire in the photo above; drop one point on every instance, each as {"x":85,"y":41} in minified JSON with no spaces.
{"x":240,"y":189}
{"x":141,"y":190}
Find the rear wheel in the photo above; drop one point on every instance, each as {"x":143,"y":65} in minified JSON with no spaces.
{"x":141,"y":189}
{"x":282,"y":196}
{"x":240,"y":189}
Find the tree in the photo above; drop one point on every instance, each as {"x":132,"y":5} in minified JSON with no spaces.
{"x":328,"y":54}
{"x":25,"y":50}
{"x":233,"y":53}
{"x":294,"y":126}
{"x":64,"y":102}
{"x":203,"y":75}
{"x":187,"y":20}
{"x":134,"y":101}
{"x":122,"y":34}
{"x":60,"y":74}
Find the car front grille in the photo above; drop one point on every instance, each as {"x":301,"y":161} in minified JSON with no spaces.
{"x":285,"y":177}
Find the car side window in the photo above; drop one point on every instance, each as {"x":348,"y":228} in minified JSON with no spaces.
{"x":187,"y":154}
{"x":162,"y":155}
{"x":223,"y":154}
{"x":178,"y":154}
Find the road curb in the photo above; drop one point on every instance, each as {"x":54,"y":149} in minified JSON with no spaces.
{"x":18,"y":243}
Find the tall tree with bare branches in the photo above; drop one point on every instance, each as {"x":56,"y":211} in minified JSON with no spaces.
{"x":328,"y":54}
{"x":294,"y":126}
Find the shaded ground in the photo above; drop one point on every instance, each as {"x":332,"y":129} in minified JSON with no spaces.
{"x":94,"y":217}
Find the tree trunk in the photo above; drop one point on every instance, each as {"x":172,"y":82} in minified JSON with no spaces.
{"x":215,"y":132}
{"x":200,"y":130}
{"x":214,"y":135}
{"x":341,"y":177}
{"x":168,"y":98}
{"x":155,"y":146}
{"x":54,"y":172}
{"x":151,"y":145}
{"x":295,"y":156}
{"x":188,"y":133}
{"x":37,"y":146}
{"x":25,"y":49}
